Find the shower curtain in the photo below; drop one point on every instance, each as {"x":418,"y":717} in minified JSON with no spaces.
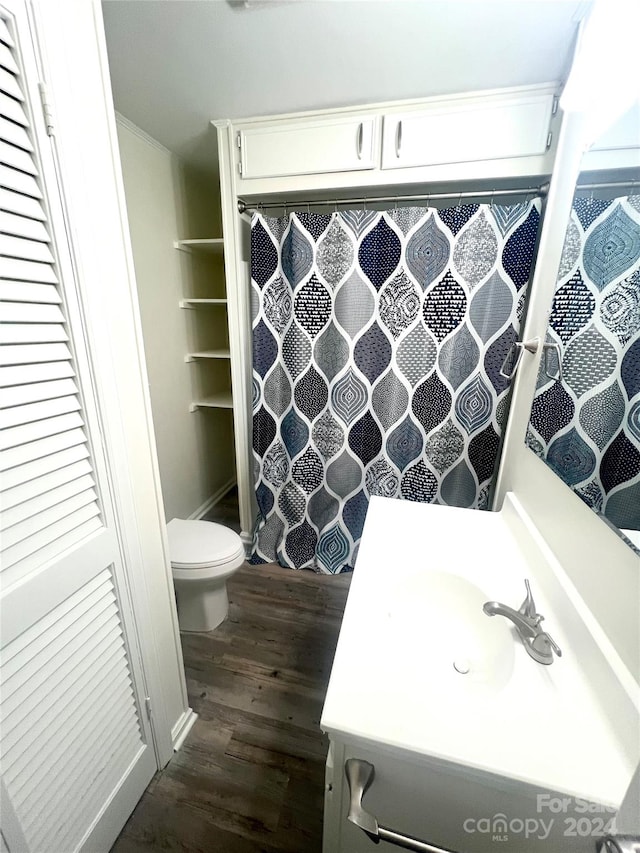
{"x":377,"y":345}
{"x":587,"y":426}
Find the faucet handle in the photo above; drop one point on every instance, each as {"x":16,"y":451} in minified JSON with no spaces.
{"x":542,"y":648}
{"x":528,"y":606}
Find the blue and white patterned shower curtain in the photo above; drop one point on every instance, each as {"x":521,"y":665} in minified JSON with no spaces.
{"x":587,"y":427}
{"x":377,"y":344}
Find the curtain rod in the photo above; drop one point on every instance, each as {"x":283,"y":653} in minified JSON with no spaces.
{"x":609,"y":185}
{"x":243,"y":207}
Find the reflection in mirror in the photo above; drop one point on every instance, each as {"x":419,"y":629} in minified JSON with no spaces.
{"x":585,"y":417}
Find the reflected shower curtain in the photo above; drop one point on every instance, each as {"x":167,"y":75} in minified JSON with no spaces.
{"x":377,"y":344}
{"x":587,"y":427}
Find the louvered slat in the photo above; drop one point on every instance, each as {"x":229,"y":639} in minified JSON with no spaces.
{"x":29,"y":291}
{"x":42,"y":410}
{"x":19,"y":395}
{"x":33,"y":353}
{"x":33,"y":488}
{"x":40,"y":429}
{"x":7,"y":60}
{"x":5,"y":35}
{"x":13,"y":110}
{"x":39,"y":450}
{"x":9,"y":85}
{"x":14,"y":179}
{"x":15,"y":157}
{"x":23,"y":205}
{"x":31,"y":312}
{"x":23,"y":226}
{"x":25,"y":374}
{"x":14,"y":134}
{"x":31,"y":472}
{"x":16,"y":268}
{"x":33,"y":333}
{"x":53,"y":498}
{"x":30,"y":250}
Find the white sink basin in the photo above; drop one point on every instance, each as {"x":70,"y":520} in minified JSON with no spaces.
{"x":439,"y":617}
{"x":414,"y":614}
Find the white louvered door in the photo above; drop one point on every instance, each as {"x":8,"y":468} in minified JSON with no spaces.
{"x":75,"y":742}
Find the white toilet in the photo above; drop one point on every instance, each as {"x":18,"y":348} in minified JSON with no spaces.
{"x":203,"y":556}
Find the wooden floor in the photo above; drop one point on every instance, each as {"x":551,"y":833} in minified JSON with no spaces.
{"x":250,"y":776}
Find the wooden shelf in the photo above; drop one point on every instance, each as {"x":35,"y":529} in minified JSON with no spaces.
{"x":209,"y":353}
{"x":212,"y":246}
{"x":222,"y":400}
{"x":197,"y":303}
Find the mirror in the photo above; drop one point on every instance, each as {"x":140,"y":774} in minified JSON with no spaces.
{"x":585,"y":417}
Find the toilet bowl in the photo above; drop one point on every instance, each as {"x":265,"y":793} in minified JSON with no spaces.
{"x":203,"y":556}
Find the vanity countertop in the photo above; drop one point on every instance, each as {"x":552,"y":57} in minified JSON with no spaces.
{"x":543,"y":725}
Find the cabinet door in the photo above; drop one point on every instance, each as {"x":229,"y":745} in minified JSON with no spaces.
{"x":482,"y":130}
{"x":310,"y":146}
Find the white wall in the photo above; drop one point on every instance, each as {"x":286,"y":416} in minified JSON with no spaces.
{"x":164,"y":203}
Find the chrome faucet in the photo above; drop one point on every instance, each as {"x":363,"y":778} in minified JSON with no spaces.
{"x":527,"y":623}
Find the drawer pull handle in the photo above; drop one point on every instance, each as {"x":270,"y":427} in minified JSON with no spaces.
{"x":359,"y":777}
{"x":620,"y":844}
{"x":360,"y":140}
{"x":398,"y":138}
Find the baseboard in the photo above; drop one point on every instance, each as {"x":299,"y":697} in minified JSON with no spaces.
{"x":182,"y":728}
{"x":215,"y":498}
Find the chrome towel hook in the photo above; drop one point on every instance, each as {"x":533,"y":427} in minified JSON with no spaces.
{"x":530,"y":346}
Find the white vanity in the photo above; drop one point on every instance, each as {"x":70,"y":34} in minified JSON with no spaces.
{"x":473,"y":742}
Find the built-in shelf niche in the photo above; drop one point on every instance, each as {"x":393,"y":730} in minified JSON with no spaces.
{"x":208,"y":245}
{"x":207,"y":323}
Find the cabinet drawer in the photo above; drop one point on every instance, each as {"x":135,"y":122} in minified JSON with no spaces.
{"x":307,"y":147}
{"x":457,"y":134}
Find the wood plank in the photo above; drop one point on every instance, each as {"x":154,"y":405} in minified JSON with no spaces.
{"x":250,"y":776}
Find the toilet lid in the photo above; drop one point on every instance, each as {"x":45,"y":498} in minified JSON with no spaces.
{"x":194,"y":544}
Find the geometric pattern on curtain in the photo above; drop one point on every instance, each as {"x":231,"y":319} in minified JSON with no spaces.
{"x":587,"y":427}
{"x":377,"y":343}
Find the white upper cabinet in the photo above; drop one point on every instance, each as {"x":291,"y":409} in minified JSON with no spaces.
{"x":465,"y":129}
{"x":309,"y":146}
{"x":480,"y":135}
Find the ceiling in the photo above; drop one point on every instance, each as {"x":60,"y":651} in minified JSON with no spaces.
{"x":177,"y":64}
